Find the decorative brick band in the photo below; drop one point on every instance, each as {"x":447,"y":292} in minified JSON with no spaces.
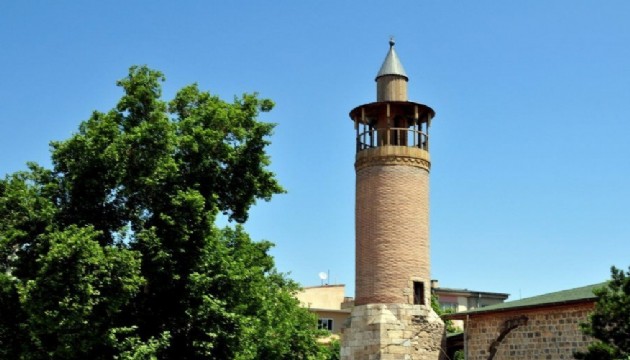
{"x":391,"y":160}
{"x":393,"y":155}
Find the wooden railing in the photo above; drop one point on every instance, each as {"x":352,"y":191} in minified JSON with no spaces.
{"x":393,"y":136}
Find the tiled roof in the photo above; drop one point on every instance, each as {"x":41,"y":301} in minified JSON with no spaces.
{"x":560,"y":297}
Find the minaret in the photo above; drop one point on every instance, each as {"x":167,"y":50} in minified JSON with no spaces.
{"x":392,"y":318}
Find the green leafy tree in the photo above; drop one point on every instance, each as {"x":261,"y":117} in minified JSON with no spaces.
{"x":459,"y":355}
{"x":610,"y":321}
{"x":72,"y":301}
{"x":334,"y":350}
{"x":114,"y":252}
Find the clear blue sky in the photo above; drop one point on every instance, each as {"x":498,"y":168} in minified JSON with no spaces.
{"x":530,"y":185}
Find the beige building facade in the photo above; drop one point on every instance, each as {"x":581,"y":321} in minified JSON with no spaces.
{"x":328,"y":302}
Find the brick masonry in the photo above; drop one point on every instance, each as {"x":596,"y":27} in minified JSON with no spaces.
{"x":392,"y":225}
{"x":548,"y":333}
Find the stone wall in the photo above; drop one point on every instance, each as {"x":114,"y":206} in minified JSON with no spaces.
{"x":552,"y":332}
{"x":393,"y":332}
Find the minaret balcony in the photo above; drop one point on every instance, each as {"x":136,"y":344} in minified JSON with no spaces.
{"x":392,"y":123}
{"x":410,"y":137}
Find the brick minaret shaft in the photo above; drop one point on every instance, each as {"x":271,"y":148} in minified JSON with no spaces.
{"x":392,"y":193}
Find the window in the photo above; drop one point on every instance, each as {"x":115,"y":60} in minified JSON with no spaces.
{"x":418,"y":293}
{"x":449,"y":306}
{"x":325,"y":323}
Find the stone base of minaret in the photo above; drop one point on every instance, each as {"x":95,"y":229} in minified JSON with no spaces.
{"x":393,"y":332}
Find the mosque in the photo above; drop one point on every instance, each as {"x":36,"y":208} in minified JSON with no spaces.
{"x":390,"y":317}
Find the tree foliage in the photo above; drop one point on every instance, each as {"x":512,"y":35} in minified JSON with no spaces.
{"x":334,"y":349}
{"x":609,"y":323}
{"x":448,"y":324}
{"x":114,"y":252}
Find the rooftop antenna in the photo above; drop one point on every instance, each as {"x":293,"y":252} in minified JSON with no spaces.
{"x":323,"y":276}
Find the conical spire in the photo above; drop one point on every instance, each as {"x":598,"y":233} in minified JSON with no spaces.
{"x":391,"y":64}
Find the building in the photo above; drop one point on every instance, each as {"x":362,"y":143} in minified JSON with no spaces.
{"x":539,"y":327}
{"x":329,"y":303}
{"x":392,"y":317}
{"x":459,"y":300}
{"x":333,"y":308}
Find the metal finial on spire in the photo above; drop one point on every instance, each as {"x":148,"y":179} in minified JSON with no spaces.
{"x":392,"y":42}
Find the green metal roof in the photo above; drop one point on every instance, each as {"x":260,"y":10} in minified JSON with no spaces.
{"x":560,"y":297}
{"x":455,"y":334}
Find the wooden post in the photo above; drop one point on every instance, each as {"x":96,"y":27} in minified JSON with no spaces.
{"x":427,"y":135}
{"x":416,"y":127}
{"x":356,"y":127}
{"x":388,"y":126}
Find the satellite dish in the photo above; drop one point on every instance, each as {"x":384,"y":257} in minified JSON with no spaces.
{"x":323,"y":276}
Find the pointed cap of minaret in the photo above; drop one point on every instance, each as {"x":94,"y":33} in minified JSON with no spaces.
{"x":391,"y":64}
